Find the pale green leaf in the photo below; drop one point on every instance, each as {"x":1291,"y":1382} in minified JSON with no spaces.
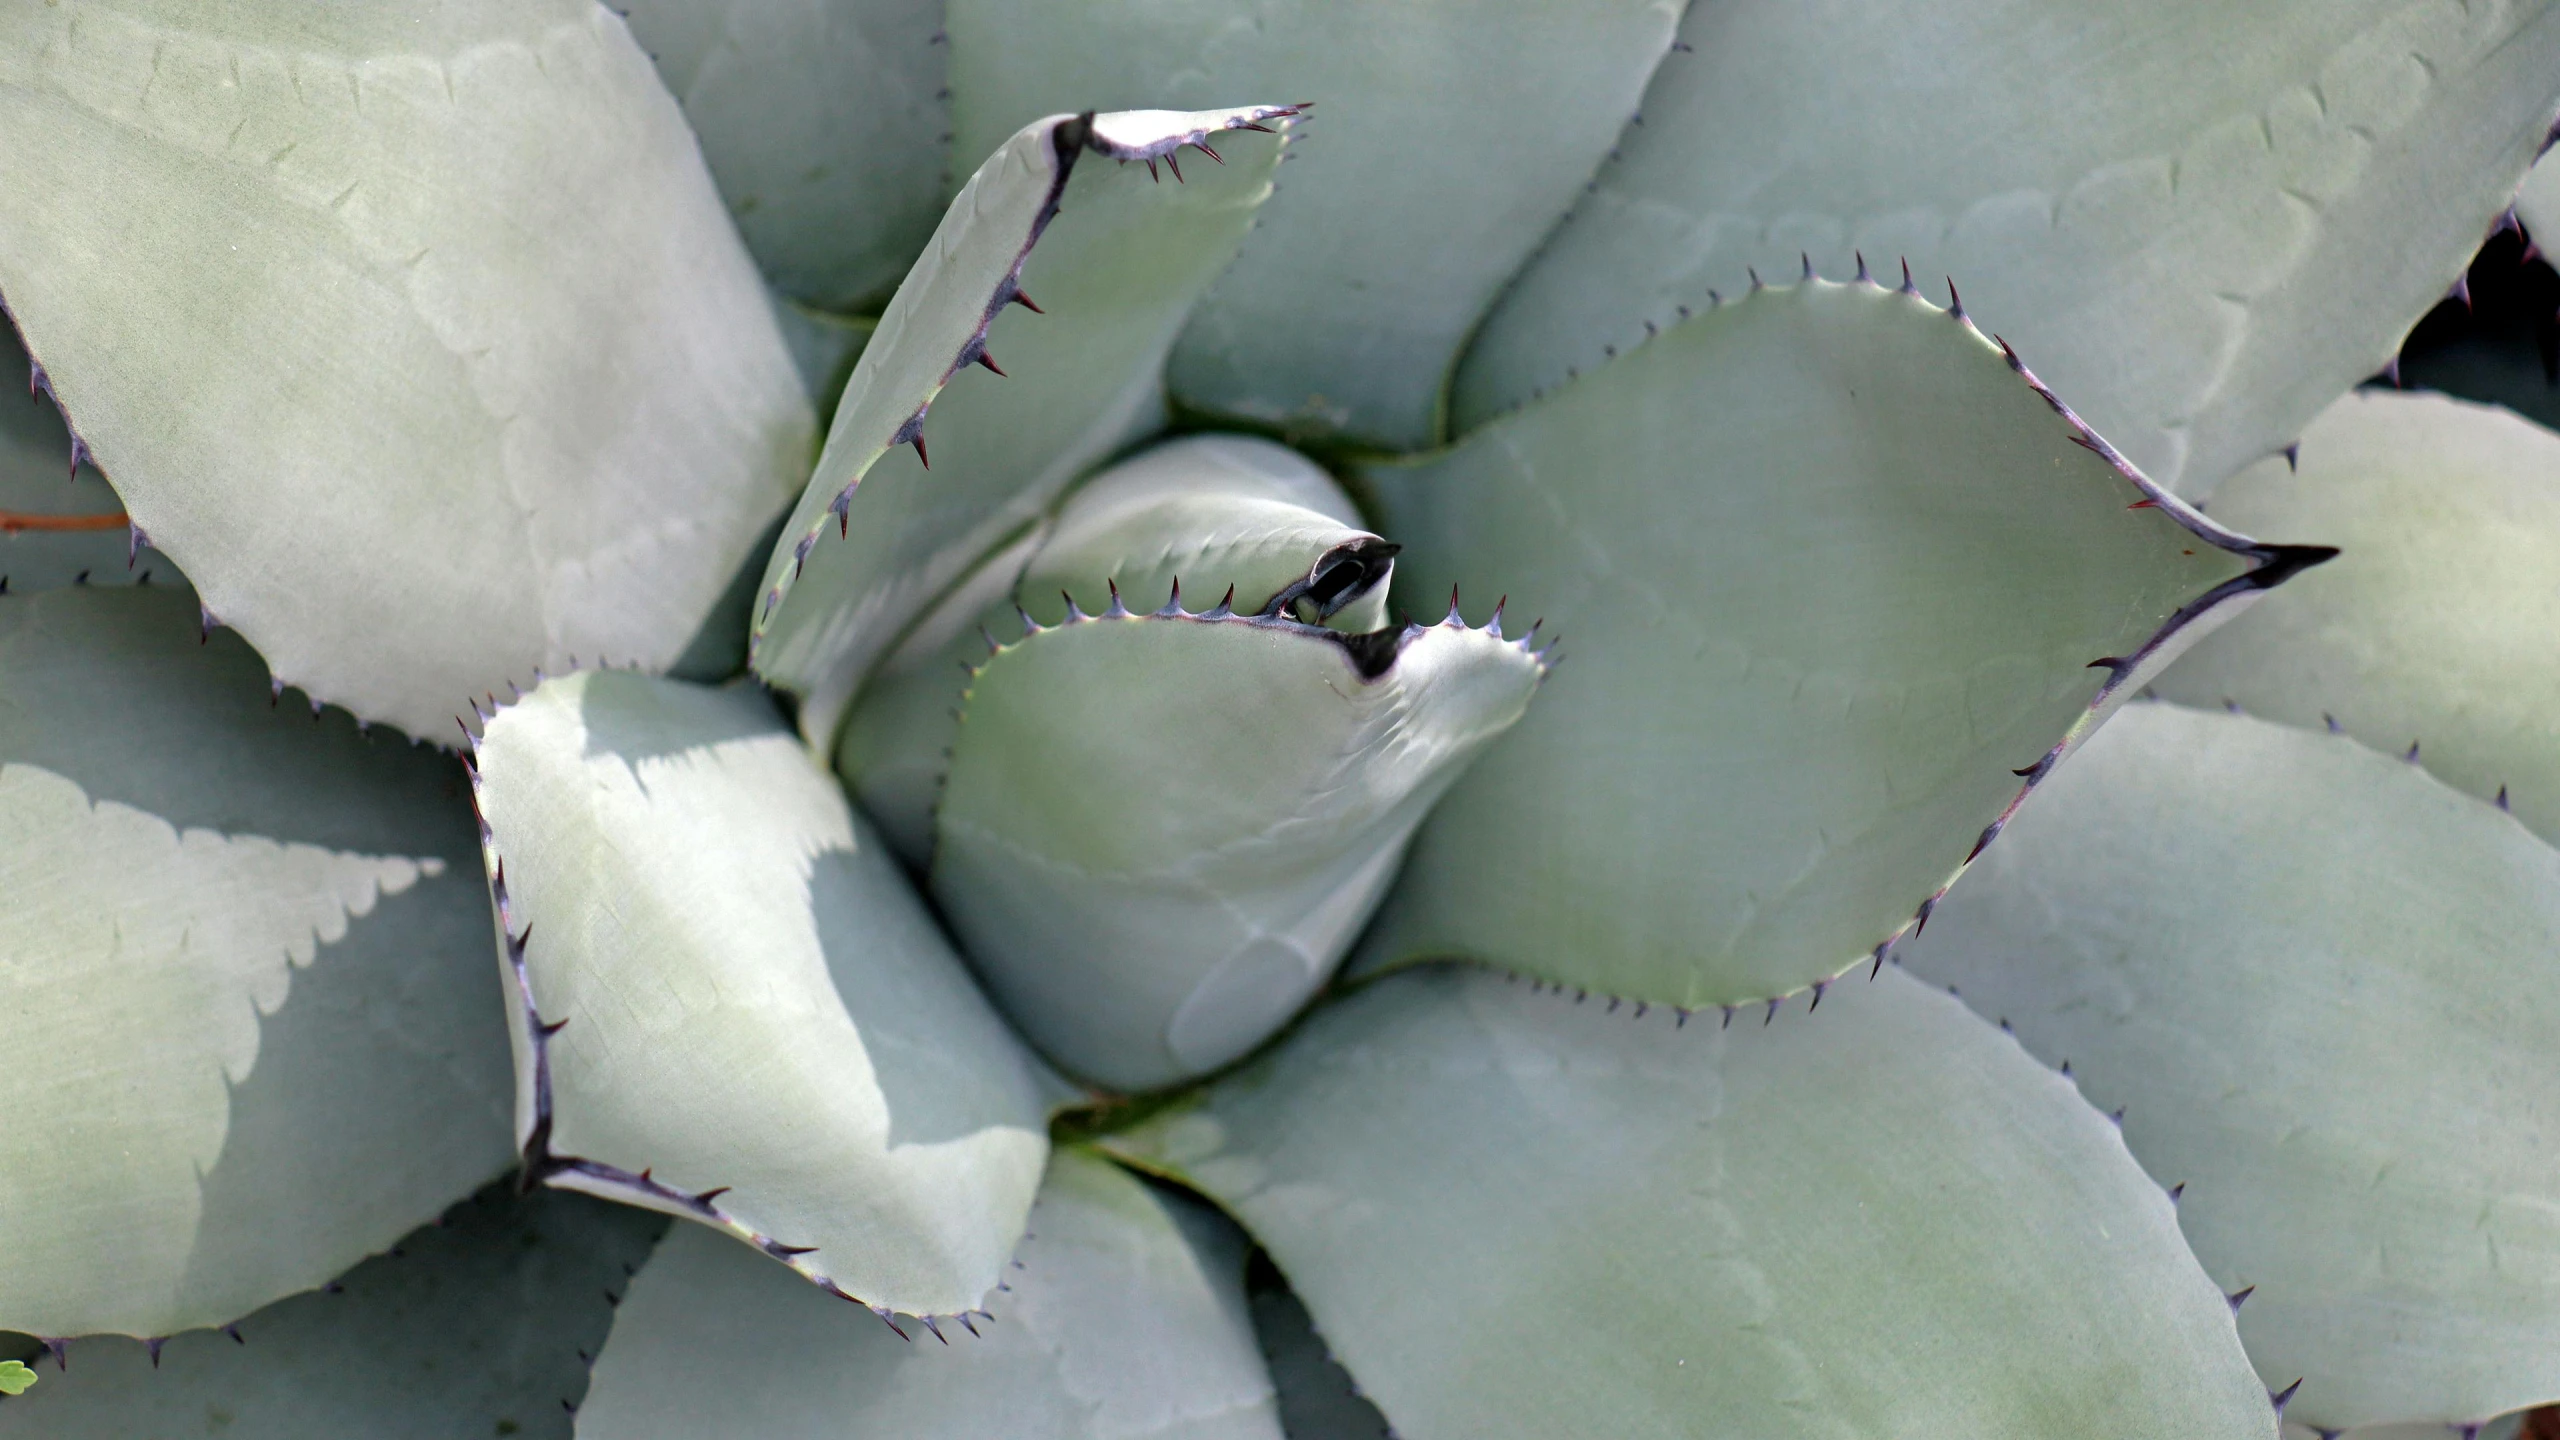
{"x":759,"y":1026}
{"x":15,"y":1377}
{"x":1516,"y":1214}
{"x":2538,"y":200}
{"x":475,"y":1327}
{"x":248,"y":1033}
{"x":1318,"y":1400}
{"x":823,"y":122}
{"x":1126,"y":1318}
{"x":1160,"y":833}
{"x":1453,"y":134}
{"x":2435,"y":626}
{"x":878,"y":537}
{"x":419,"y":338}
{"x":60,"y":523}
{"x":2200,"y":221}
{"x":825,"y":346}
{"x":1210,"y":512}
{"x":1830,"y":578}
{"x":2506,"y":1427}
{"x":2320,"y":985}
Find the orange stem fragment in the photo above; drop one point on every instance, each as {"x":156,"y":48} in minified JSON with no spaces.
{"x":13,"y":521}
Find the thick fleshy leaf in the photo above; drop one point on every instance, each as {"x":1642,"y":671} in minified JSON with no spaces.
{"x":419,"y":338}
{"x":733,"y":1008}
{"x":1223,"y":512}
{"x":1217,"y":511}
{"x":2200,"y":221}
{"x":824,"y":123}
{"x":877,"y":537}
{"x":1454,"y":134}
{"x":1161,"y":832}
{"x":2538,"y":200}
{"x":60,"y":524}
{"x":2320,"y":985}
{"x":1516,"y":1214}
{"x":247,"y":1033}
{"x":2434,"y":629}
{"x":1832,"y":578}
{"x":1318,"y":1400}
{"x":1125,"y":1318}
{"x":479,"y":1325}
{"x":825,"y":346}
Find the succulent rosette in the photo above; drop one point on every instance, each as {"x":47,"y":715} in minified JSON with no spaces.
{"x":1083,"y":662}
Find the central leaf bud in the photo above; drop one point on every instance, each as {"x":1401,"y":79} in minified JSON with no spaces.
{"x":1158,"y":817}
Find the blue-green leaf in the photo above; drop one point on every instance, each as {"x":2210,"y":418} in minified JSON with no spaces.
{"x":417,"y":336}
{"x":1161,"y":832}
{"x":1211,"y":513}
{"x":1125,"y":1318}
{"x":1835,"y":583}
{"x":729,"y":1005}
{"x":2202,"y":222}
{"x":476,"y":1326}
{"x":877,"y":536}
{"x":2432,"y":633}
{"x":248,"y":1031}
{"x":825,"y":123}
{"x":2321,"y":987}
{"x":1453,"y":134}
{"x":1516,"y":1214}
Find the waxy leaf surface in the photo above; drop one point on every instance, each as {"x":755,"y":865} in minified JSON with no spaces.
{"x":1451,"y":135}
{"x":477,"y":1326}
{"x":878,"y":536}
{"x":1209,"y":513}
{"x":2201,"y":222}
{"x":1161,"y":832}
{"x":1126,"y":1318}
{"x":246,"y":1026}
{"x":2538,"y":200}
{"x":823,"y":122}
{"x":1512,"y":1214}
{"x":1834,"y":584}
{"x":731,"y":1005}
{"x":419,"y":338}
{"x":2435,"y":625}
{"x":2321,"y":986}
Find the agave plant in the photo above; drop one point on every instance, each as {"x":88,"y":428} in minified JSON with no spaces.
{"x":1111,"y":844}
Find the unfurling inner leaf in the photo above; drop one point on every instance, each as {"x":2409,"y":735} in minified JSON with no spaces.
{"x":878,"y":536}
{"x":1160,"y":832}
{"x":1218,"y":515}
